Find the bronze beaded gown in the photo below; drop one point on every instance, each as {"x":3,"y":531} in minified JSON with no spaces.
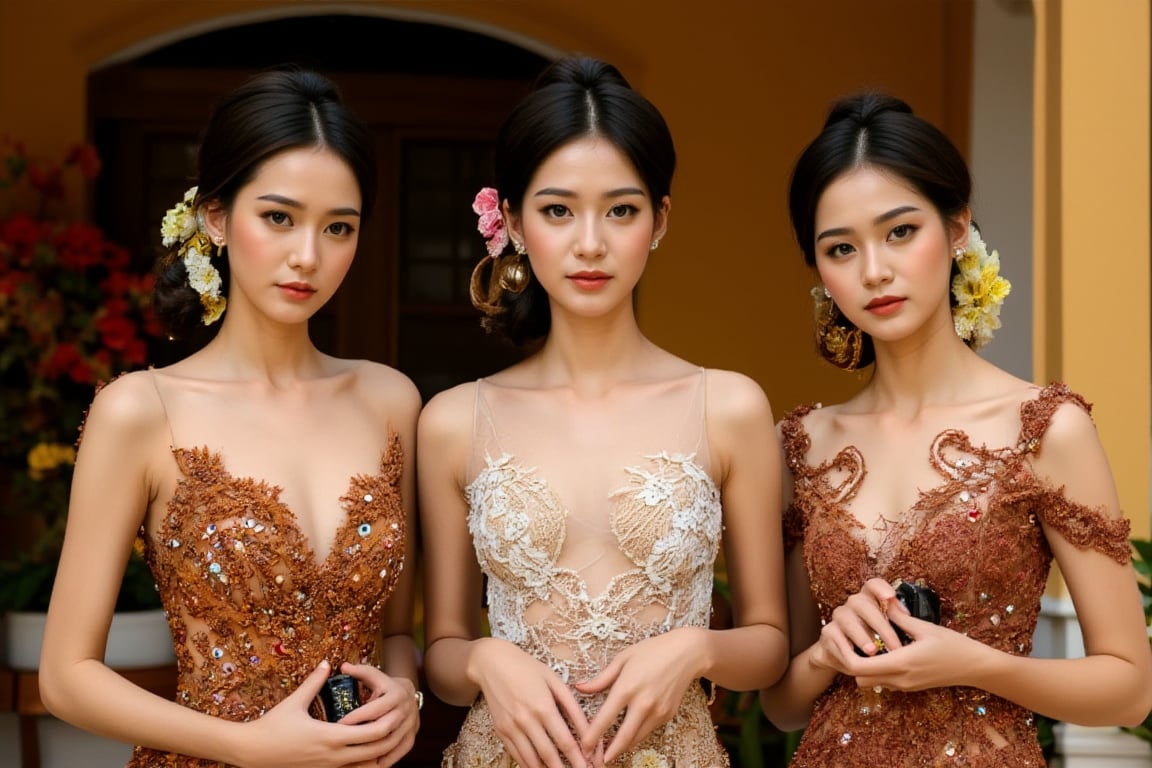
{"x":250,"y":609}
{"x":976,"y":539}
{"x":597,"y":526}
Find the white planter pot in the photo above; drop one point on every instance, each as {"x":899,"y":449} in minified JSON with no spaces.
{"x":135,"y":639}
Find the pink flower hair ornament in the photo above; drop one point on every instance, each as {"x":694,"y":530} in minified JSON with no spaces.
{"x":491,"y":225}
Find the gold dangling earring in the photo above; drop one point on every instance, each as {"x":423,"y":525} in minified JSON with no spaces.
{"x":838,"y":344}
{"x":514,"y":272}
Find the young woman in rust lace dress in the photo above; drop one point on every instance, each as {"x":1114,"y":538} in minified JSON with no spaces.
{"x":942,"y":470}
{"x":267,"y":479}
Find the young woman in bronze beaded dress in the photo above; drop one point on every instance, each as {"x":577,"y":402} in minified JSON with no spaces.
{"x":591,"y":482}
{"x":943,"y":470}
{"x":268,"y":480}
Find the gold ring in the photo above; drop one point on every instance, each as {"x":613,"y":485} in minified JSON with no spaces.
{"x":419,"y":700}
{"x":877,"y":642}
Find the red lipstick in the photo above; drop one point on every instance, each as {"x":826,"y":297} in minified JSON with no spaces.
{"x":589,"y":280}
{"x":884,"y":305}
{"x":296,"y":291}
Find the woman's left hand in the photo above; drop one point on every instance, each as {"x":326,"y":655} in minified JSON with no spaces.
{"x":648,"y":681}
{"x":390,"y":699}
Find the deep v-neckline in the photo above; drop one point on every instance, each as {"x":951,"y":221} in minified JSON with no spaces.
{"x":540,"y":483}
{"x":272,"y":493}
{"x":906,"y":524}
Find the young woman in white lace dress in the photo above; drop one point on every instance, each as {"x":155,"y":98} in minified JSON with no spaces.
{"x":593,"y":483}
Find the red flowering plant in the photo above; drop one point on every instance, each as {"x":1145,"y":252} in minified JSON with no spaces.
{"x":73,"y":314}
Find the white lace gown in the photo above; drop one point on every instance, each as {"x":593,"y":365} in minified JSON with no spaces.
{"x":597,"y":525}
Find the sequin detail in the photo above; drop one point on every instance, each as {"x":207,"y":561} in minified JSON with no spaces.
{"x":250,"y":609}
{"x":976,"y":539}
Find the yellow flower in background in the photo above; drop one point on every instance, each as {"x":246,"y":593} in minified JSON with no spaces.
{"x":45,"y":457}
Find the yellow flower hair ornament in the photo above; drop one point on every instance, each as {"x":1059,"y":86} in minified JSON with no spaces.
{"x":979,"y":291}
{"x":181,"y":226}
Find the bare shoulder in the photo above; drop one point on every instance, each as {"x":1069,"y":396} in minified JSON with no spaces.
{"x":129,"y":404}
{"x":449,"y":412}
{"x":388,"y":388}
{"x":735,"y":397}
{"x":1070,"y":430}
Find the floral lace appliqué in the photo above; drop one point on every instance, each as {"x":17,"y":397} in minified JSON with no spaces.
{"x":666,"y":520}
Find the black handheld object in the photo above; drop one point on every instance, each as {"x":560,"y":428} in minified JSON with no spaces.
{"x":339,"y":696}
{"x":920,"y":601}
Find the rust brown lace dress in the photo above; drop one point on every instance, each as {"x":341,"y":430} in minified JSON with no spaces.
{"x":251,"y":611}
{"x":977,"y":539}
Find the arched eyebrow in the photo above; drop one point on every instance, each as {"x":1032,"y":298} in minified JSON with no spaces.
{"x":290,"y":203}
{"x":559,"y":192}
{"x":886,"y":216}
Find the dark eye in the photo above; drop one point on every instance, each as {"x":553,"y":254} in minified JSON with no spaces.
{"x":902,"y":231}
{"x":556,"y":210}
{"x":341,"y":228}
{"x":840,"y":249}
{"x":622,"y":210}
{"x":277,"y":217}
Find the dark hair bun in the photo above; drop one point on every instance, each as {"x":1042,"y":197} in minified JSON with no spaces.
{"x":175,"y":302}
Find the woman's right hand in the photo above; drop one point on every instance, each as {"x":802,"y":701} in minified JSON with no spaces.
{"x":533,"y":712}
{"x":861,"y":622}
{"x":287,"y":736}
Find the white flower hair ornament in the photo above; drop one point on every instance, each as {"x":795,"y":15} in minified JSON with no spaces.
{"x":182,"y":226}
{"x":979,"y":291}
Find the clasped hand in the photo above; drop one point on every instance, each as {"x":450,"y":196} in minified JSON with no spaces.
{"x":537,"y":716}
{"x":865,"y":622}
{"x":375,"y":735}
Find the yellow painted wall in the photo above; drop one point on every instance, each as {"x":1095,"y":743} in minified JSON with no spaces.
{"x":1092,"y":223}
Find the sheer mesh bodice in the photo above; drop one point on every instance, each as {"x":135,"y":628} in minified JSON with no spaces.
{"x":597,"y":525}
{"x":251,"y":609}
{"x":977,"y":539}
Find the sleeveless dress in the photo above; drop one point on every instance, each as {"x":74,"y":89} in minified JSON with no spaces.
{"x":250,"y":610}
{"x":977,"y":540}
{"x":596,"y":526}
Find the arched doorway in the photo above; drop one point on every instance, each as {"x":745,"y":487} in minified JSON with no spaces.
{"x":433,"y":96}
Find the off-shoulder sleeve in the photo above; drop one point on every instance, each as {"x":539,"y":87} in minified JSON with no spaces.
{"x":1085,"y":527}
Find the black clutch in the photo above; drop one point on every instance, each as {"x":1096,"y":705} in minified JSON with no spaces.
{"x":339,"y":696}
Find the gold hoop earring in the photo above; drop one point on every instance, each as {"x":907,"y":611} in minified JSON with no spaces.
{"x":514,"y":273}
{"x":839,"y":344}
